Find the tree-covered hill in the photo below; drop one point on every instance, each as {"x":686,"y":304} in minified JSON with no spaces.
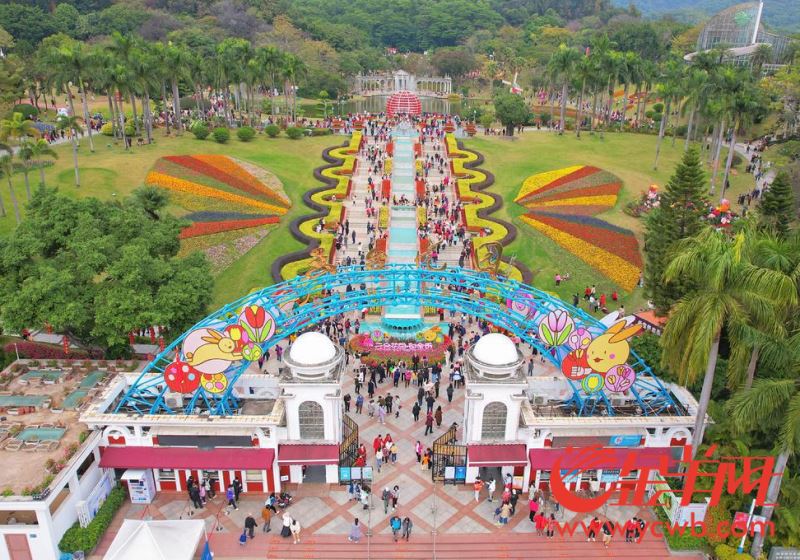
{"x":778,"y":14}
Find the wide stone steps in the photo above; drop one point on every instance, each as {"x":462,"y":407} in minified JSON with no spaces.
{"x":462,"y":547}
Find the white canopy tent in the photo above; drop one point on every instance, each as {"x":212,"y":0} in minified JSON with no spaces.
{"x":156,"y":540}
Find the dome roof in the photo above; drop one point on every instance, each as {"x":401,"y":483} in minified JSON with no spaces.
{"x":495,"y":349}
{"x":403,"y":103}
{"x":312,"y":348}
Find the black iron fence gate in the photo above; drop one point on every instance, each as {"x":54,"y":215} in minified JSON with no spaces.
{"x":449,"y":458}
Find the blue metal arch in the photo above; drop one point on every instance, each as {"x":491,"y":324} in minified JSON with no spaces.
{"x":303,"y":301}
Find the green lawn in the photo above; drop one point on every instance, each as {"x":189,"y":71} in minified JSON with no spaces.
{"x":112,"y":172}
{"x":629,"y":156}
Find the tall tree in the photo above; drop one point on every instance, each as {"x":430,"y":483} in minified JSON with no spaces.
{"x":669,"y":89}
{"x":510,"y":110}
{"x":679,"y":215}
{"x":777,"y":209}
{"x":33,"y":152}
{"x":561,"y":66}
{"x":72,"y":126}
{"x":7,"y":168}
{"x":728,"y":292}
{"x":17,"y":128}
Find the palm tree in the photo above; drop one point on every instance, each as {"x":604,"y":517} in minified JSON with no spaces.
{"x":669,"y":89}
{"x":730,"y":292}
{"x":18,"y":128}
{"x":612,"y":64}
{"x":586,"y":72}
{"x":762,"y":55}
{"x":772,"y":404}
{"x":744,"y":101}
{"x":179,"y":61}
{"x":696,"y":83}
{"x":72,"y":64}
{"x":33,"y":152}
{"x":143,"y":80}
{"x":72,"y":125}
{"x":7,"y":168}
{"x":270,"y":58}
{"x":292,"y":70}
{"x":560,"y":67}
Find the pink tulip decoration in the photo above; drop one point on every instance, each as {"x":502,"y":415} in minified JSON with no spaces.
{"x":620,"y":378}
{"x":523,"y":304}
{"x":556,"y":327}
{"x":579,"y":339}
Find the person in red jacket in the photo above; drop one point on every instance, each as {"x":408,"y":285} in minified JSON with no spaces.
{"x":541,"y":522}
{"x":377,"y":443}
{"x":630,"y":527}
{"x":594,"y":527}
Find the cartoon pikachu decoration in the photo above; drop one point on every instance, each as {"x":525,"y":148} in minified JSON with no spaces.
{"x":611,"y":348}
{"x":218,"y":347}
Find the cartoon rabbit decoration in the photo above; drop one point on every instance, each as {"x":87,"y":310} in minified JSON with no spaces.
{"x":611,"y":348}
{"x":217,"y":347}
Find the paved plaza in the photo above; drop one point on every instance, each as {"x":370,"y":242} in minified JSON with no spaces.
{"x":445,"y":513}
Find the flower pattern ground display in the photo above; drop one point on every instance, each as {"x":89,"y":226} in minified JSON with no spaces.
{"x":230,"y":204}
{"x":562,"y":205}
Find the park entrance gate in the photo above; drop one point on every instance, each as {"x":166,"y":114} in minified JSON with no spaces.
{"x":449,"y":458}
{"x":348,"y":450}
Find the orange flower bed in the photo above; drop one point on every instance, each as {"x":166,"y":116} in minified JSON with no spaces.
{"x":207,"y":228}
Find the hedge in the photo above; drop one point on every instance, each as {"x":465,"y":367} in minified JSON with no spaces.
{"x":86,"y":538}
{"x":28,"y":111}
{"x":40,"y":351}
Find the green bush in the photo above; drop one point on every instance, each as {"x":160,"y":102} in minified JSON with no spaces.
{"x":649,"y":113}
{"x":187,"y":103}
{"x":107,"y":129}
{"x":790,"y":149}
{"x":657,"y":117}
{"x":320,"y":131}
{"x":295,"y":133}
{"x":28,"y":111}
{"x":272,"y":130}
{"x":658,"y":107}
{"x":727,"y":552}
{"x":221,"y":135}
{"x":245,"y":133}
{"x":86,"y":538}
{"x":200,"y":131}
{"x":544,"y":117}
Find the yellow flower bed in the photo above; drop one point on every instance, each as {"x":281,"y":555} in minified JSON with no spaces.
{"x":325,"y":198}
{"x":418,"y":165}
{"x":154,"y":178}
{"x":536,"y":182}
{"x":600,"y":200}
{"x":479,"y":201}
{"x":387,"y":166}
{"x":619,"y":270}
{"x":383,"y":217}
{"x":422,"y":216}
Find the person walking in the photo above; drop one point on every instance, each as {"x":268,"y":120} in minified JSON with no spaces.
{"x":533,"y":508}
{"x":415,"y":410}
{"x":295,"y":528}
{"x":250,"y":525}
{"x":418,"y":450}
{"x":541,"y":522}
{"x":378,"y":459}
{"x":266,"y":518}
{"x":450,"y":393}
{"x":608,"y":531}
{"x":194,"y":494}
{"x":477,"y":486}
{"x":237,"y":487}
{"x":394,"y":451}
{"x":505,"y":513}
{"x":551,"y":526}
{"x":407,"y":526}
{"x":395,"y":496}
{"x":386,"y":497}
{"x":490,"y":488}
{"x":438,"y":416}
{"x":230,"y":495}
{"x":364,"y":498}
{"x":346,"y":399}
{"x":359,"y":403}
{"x":286,"y":529}
{"x":513,"y":502}
{"x":429,"y":423}
{"x":396,"y":524}
{"x":420,"y":395}
{"x":594,"y":527}
{"x":355,"y":532}
{"x":430,"y":401}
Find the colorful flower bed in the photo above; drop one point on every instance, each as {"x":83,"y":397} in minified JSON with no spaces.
{"x":206,"y":228}
{"x":562,"y":204}
{"x":240,"y":199}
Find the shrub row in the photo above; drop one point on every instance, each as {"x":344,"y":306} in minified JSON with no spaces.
{"x":86,"y":538}
{"x":246,"y":133}
{"x":38,"y":350}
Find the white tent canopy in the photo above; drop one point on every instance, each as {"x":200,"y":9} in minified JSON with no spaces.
{"x":156,"y":540}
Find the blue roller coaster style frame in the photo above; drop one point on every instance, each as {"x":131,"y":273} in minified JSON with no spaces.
{"x":304,"y":301}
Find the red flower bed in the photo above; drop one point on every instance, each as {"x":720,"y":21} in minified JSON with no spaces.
{"x":608,"y":189}
{"x":593,"y":180}
{"x":207,"y":228}
{"x":587,"y":210}
{"x":575,"y":175}
{"x":207,"y":169}
{"x":624,"y":245}
{"x":39,"y":351}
